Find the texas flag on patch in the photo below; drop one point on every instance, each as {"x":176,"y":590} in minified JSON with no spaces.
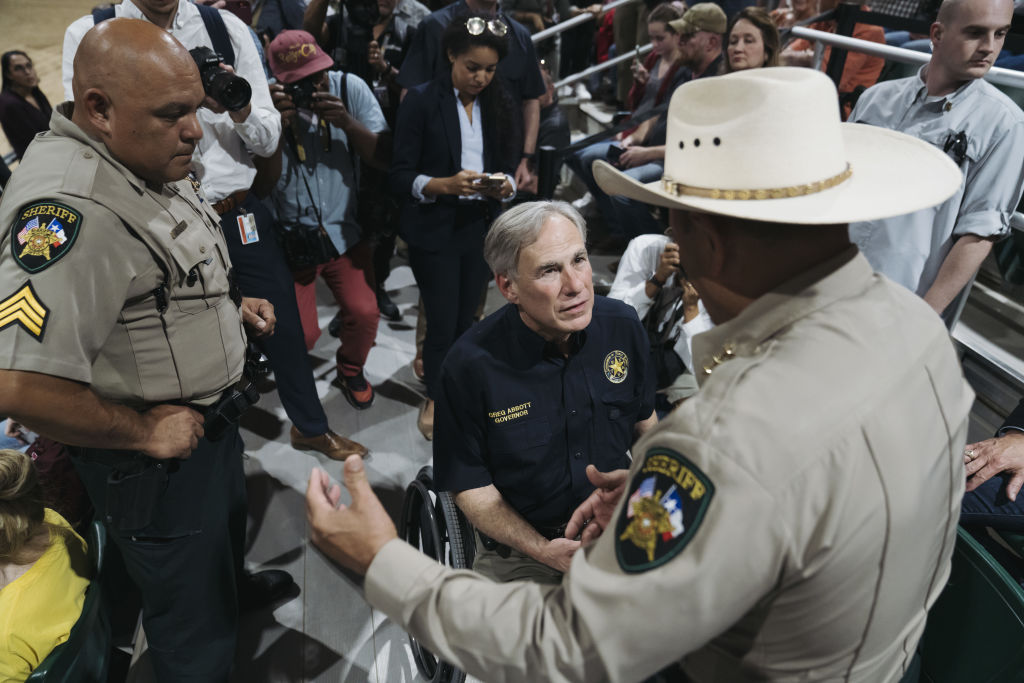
{"x":31,"y":225}
{"x":58,"y":230}
{"x":674,"y":507}
{"x":645,"y":490}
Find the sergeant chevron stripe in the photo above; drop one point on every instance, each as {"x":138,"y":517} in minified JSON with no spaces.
{"x":25,"y":309}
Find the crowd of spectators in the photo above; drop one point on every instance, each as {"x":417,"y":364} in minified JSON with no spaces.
{"x":373,"y":121}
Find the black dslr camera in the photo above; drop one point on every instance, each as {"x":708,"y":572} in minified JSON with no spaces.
{"x":301,"y":93}
{"x":231,"y":91}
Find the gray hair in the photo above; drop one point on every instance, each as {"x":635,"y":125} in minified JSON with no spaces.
{"x":518,"y":228}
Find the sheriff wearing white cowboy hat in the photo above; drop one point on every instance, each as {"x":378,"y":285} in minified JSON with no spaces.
{"x":795,"y":518}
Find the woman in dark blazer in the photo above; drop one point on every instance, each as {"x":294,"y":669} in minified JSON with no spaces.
{"x":452,"y":141}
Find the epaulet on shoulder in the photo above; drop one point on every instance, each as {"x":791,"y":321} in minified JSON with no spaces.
{"x":80,"y":173}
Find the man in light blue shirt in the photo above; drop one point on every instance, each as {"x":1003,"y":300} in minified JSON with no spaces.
{"x":330,"y":120}
{"x":936,"y":252}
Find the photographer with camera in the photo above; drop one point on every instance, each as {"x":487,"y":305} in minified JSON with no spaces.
{"x":369,"y":38}
{"x":225,"y":161}
{"x":331,"y":120}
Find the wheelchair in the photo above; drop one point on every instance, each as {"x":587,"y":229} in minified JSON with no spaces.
{"x":431,"y":522}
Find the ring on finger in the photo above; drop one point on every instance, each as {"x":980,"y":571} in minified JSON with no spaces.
{"x":969,"y":452}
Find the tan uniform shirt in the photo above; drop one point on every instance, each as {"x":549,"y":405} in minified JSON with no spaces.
{"x":78,"y":290}
{"x":803,"y":507}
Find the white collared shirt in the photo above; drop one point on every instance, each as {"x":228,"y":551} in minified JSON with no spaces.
{"x":223,"y":157}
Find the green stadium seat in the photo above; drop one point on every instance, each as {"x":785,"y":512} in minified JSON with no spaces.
{"x":975,"y":630}
{"x":85,"y":656}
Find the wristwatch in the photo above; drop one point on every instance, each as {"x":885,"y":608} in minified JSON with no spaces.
{"x":655,"y":281}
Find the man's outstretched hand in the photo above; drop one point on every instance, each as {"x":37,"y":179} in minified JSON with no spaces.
{"x":595,"y":513}
{"x":350,"y":535}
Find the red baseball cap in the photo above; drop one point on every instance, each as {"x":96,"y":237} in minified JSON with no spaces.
{"x":293,"y":55}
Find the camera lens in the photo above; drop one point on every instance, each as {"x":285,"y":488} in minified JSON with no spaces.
{"x":231,"y":91}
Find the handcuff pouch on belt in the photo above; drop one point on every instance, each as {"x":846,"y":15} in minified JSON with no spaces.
{"x":236,"y":399}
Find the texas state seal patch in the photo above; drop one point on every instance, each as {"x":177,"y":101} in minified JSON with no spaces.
{"x":42,"y":233}
{"x":666,"y":502}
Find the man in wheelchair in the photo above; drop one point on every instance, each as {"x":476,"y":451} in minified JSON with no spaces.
{"x":556,"y":380}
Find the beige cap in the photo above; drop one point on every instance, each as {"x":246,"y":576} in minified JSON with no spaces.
{"x":704,"y":16}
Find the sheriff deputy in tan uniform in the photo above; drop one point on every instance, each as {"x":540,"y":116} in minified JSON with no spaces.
{"x":793,"y":520}
{"x":119,"y":333}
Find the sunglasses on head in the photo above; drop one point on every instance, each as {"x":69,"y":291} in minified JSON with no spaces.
{"x":475,"y":26}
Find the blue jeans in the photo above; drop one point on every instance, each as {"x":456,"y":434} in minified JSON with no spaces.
{"x":988,"y":505}
{"x":625,"y":217}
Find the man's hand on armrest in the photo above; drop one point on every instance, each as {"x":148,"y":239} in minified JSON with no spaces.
{"x":349,"y":535}
{"x":986,"y":459}
{"x":487,"y":510}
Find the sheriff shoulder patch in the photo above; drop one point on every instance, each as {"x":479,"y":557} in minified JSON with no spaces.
{"x":23,"y":308}
{"x":666,"y":503}
{"x":42,"y":233}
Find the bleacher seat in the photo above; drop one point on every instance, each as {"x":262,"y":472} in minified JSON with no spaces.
{"x":975,"y":630}
{"x":85,"y":656}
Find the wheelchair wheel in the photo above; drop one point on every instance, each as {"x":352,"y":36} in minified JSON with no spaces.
{"x":419,"y":527}
{"x":461,"y":544}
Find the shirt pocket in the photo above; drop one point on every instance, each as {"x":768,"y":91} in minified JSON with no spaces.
{"x":945,"y":140}
{"x":194,"y":252}
{"x":620,"y":412}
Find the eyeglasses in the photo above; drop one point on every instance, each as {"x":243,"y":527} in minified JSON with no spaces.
{"x":476,"y":25}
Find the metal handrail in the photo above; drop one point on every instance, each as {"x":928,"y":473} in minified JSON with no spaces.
{"x":597,"y":68}
{"x":1007,"y":77}
{"x":575,"y":21}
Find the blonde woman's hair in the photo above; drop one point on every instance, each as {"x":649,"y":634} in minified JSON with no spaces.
{"x":23,"y":533}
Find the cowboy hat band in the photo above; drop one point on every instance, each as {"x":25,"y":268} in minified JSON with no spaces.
{"x":768,"y":145}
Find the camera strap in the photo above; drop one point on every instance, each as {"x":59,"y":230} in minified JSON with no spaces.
{"x":215,"y":28}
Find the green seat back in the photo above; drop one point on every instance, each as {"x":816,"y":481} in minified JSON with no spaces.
{"x":975,"y":630}
{"x":85,"y":655}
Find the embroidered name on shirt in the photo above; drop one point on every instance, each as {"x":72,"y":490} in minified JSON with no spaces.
{"x":508,"y":414}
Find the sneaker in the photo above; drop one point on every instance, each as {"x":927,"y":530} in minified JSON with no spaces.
{"x":357,"y":390}
{"x":387,"y":307}
{"x":582,"y":93}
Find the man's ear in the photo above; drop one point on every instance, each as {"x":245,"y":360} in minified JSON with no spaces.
{"x":97,"y":109}
{"x":708,"y":243}
{"x":507,"y":288}
{"x":935,"y":32}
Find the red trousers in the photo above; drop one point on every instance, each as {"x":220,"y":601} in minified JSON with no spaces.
{"x":351,"y":280}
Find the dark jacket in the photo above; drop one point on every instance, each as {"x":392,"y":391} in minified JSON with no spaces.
{"x":428,"y":141}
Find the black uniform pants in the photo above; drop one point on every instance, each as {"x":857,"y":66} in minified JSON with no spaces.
{"x":451,"y":280}
{"x":186,"y":554}
{"x":261,"y":272}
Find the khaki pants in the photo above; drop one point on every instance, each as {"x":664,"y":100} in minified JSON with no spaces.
{"x":515,"y":567}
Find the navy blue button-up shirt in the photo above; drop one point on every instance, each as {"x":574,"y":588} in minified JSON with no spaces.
{"x":516,"y":413}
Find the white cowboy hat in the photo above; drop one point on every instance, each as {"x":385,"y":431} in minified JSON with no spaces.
{"x":768,"y":145}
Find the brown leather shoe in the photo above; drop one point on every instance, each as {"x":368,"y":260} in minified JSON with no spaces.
{"x":334,"y":446}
